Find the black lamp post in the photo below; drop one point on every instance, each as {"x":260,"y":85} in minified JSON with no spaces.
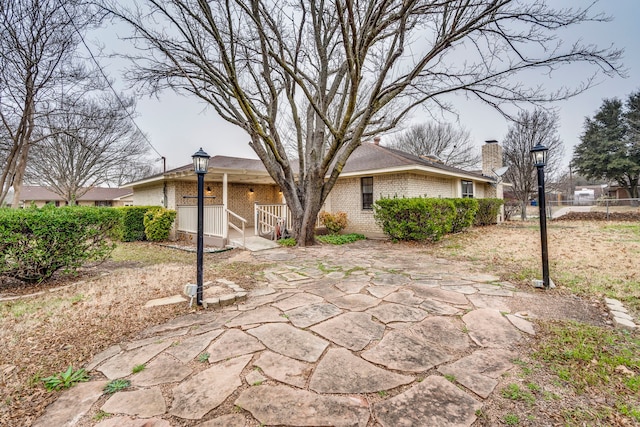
{"x":200,"y":166}
{"x":539,"y":158}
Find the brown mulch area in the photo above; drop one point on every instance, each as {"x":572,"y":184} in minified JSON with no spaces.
{"x":600,"y":216}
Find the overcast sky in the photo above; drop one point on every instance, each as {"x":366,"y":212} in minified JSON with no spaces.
{"x":178,"y":126}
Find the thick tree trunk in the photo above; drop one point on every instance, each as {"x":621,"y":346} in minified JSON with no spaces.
{"x":523,"y":209}
{"x":19,"y":176}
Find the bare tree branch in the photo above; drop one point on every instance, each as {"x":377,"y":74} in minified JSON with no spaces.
{"x":320,"y":75}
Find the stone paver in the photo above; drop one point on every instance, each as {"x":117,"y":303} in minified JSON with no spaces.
{"x":259,"y":315}
{"x":351,"y":287}
{"x":284,"y":369}
{"x":390,"y":279}
{"x":121,"y":365}
{"x":144,"y":403}
{"x":229,"y":420}
{"x":303,"y":317}
{"x":340,"y":371}
{"x":72,"y":405}
{"x":443,"y":331}
{"x":490,"y":301}
{"x":281,"y":405}
{"x":404,"y":351}
{"x":297,"y":300}
{"x":450,"y":297}
{"x":350,"y":330}
{"x":133,"y":422}
{"x":439,"y":308}
{"x":404,"y":298}
{"x":479,"y":371}
{"x":254,"y":378}
{"x":391,"y":312}
{"x":355,"y":302}
{"x":163,"y":369}
{"x":187,"y":349}
{"x":432,"y":402}
{"x":233,"y":343}
{"x":522,"y":324}
{"x":381,"y":291}
{"x":193,"y":398}
{"x":489,"y":328}
{"x":290,"y":341}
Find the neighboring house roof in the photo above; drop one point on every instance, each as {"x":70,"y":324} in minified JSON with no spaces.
{"x":368,"y":158}
{"x":33,"y":192}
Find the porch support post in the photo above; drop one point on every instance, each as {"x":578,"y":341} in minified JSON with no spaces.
{"x":225,"y":215}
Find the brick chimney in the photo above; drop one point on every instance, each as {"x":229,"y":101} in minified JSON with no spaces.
{"x":376,"y":140}
{"x":491,"y":157}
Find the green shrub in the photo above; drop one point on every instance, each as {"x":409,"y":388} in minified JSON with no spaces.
{"x":488,"y":210}
{"x":35,"y":243}
{"x":131,"y":227}
{"x":340,"y":239}
{"x":157,"y":223}
{"x":416,"y":218}
{"x":466,"y":210}
{"x":288,"y":241}
{"x":335,"y":223}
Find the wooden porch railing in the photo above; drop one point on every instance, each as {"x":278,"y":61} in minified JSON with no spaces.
{"x":213,"y":220}
{"x":267,"y":217}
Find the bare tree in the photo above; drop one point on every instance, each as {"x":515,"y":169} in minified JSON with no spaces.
{"x":87,"y":144}
{"x":449,"y":144}
{"x":327,"y":73}
{"x":530,"y":129}
{"x":39,"y":38}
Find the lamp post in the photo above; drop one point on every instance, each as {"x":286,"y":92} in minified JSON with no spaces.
{"x":200,"y":166}
{"x":539,"y":158}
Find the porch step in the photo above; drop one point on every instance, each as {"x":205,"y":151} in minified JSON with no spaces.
{"x":253,"y":243}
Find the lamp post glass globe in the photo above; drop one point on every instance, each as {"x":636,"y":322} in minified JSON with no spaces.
{"x":200,"y":161}
{"x":539,"y":155}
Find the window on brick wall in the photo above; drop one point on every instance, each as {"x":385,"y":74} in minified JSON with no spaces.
{"x":467,"y":188}
{"x":366,"y":186}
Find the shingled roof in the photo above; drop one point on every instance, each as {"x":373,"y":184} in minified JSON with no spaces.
{"x":33,"y":192}
{"x":373,"y":157}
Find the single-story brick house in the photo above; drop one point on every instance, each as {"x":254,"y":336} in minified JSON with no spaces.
{"x":239,"y":192}
{"x":96,"y":196}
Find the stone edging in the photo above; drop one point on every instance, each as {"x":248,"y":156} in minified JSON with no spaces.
{"x":620,"y":315}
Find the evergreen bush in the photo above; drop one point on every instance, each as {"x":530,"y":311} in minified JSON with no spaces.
{"x":157,"y":223}
{"x":131,"y":227}
{"x":466,"y":210}
{"x":415,"y":218}
{"x":37,"y":242}
{"x":488,"y":210}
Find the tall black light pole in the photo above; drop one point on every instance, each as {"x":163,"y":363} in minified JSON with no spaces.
{"x":539,"y":158}
{"x":200,"y":166}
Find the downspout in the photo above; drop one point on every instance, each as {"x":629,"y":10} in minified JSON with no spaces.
{"x":164,"y":182}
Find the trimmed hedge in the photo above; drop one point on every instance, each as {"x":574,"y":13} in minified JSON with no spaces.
{"x":35,"y":243}
{"x":131,"y":227}
{"x":466,"y":210}
{"x":415,"y":218}
{"x":157,"y":224}
{"x":488,"y":210}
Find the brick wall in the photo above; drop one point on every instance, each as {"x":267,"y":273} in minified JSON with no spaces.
{"x":149,"y":195}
